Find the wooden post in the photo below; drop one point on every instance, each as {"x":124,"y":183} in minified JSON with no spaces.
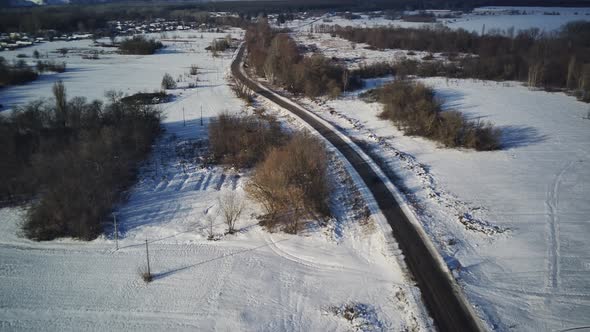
{"x":116,"y":232}
{"x":201,"y":115}
{"x":147,"y":255}
{"x":183,"y":118}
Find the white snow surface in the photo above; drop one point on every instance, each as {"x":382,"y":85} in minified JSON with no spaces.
{"x":511,"y":224}
{"x":494,"y":18}
{"x":251,"y":281}
{"x":524,"y":263}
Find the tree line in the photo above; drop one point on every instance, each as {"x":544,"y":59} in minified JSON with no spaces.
{"x":275,"y":56}
{"x":558,"y":60}
{"x":16,"y":73}
{"x":19,"y":72}
{"x":70,"y":160}
{"x":93,"y":17}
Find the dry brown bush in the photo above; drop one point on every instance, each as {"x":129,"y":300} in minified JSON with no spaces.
{"x":413,"y":108}
{"x":242,"y":141}
{"x":291,"y":182}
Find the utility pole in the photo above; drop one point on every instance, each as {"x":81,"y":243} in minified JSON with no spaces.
{"x":201,"y":115}
{"x":183,"y":118}
{"x":116,"y":232}
{"x":147,"y":255}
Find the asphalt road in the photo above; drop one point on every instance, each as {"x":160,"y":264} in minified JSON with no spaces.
{"x":442,"y":295}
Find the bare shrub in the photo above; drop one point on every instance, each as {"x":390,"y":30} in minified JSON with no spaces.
{"x":139,"y":45}
{"x":18,"y":73}
{"x":144,"y":274}
{"x":168,"y":82}
{"x":242,"y":91}
{"x":413,"y":108}
{"x":241,"y":141}
{"x":194,"y":70}
{"x":291,"y":182}
{"x":58,"y":67}
{"x":219,"y":45}
{"x":231,"y":206}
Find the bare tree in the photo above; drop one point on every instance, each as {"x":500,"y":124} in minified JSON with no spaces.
{"x":269,"y":71}
{"x":571,"y":72}
{"x":168,"y":82}
{"x":59,"y":92}
{"x":535,"y":76}
{"x":231,"y":207}
{"x":345,"y":79}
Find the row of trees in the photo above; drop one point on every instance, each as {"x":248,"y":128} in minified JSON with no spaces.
{"x":72,"y":159}
{"x":276,"y":57}
{"x":19,"y":72}
{"x":557,"y":60}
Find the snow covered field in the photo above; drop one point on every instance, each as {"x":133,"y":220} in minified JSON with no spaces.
{"x":250,"y":281}
{"x":354,"y":55}
{"x":492,"y":17}
{"x":525,"y":265}
{"x":512,"y":224}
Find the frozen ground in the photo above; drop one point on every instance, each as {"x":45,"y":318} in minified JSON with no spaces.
{"x":250,"y":281}
{"x":492,"y":17}
{"x":512,"y":224}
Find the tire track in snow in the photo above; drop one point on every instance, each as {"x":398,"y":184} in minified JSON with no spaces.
{"x":272,"y":244}
{"x":282,"y":253}
{"x":199,"y":182}
{"x":220,"y":182}
{"x":551,"y":206}
{"x":207,"y":180}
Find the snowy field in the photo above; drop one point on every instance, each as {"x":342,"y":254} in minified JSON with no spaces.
{"x":525,"y":261}
{"x":492,"y":17}
{"x":353,"y":55}
{"x":250,"y":281}
{"x":511,"y":224}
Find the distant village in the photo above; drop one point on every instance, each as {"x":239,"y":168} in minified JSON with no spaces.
{"x":14,"y":40}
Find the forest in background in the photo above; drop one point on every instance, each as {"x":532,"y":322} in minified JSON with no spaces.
{"x":549,"y":60}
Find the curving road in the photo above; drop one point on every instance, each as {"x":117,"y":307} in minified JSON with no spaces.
{"x":441,"y":294}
